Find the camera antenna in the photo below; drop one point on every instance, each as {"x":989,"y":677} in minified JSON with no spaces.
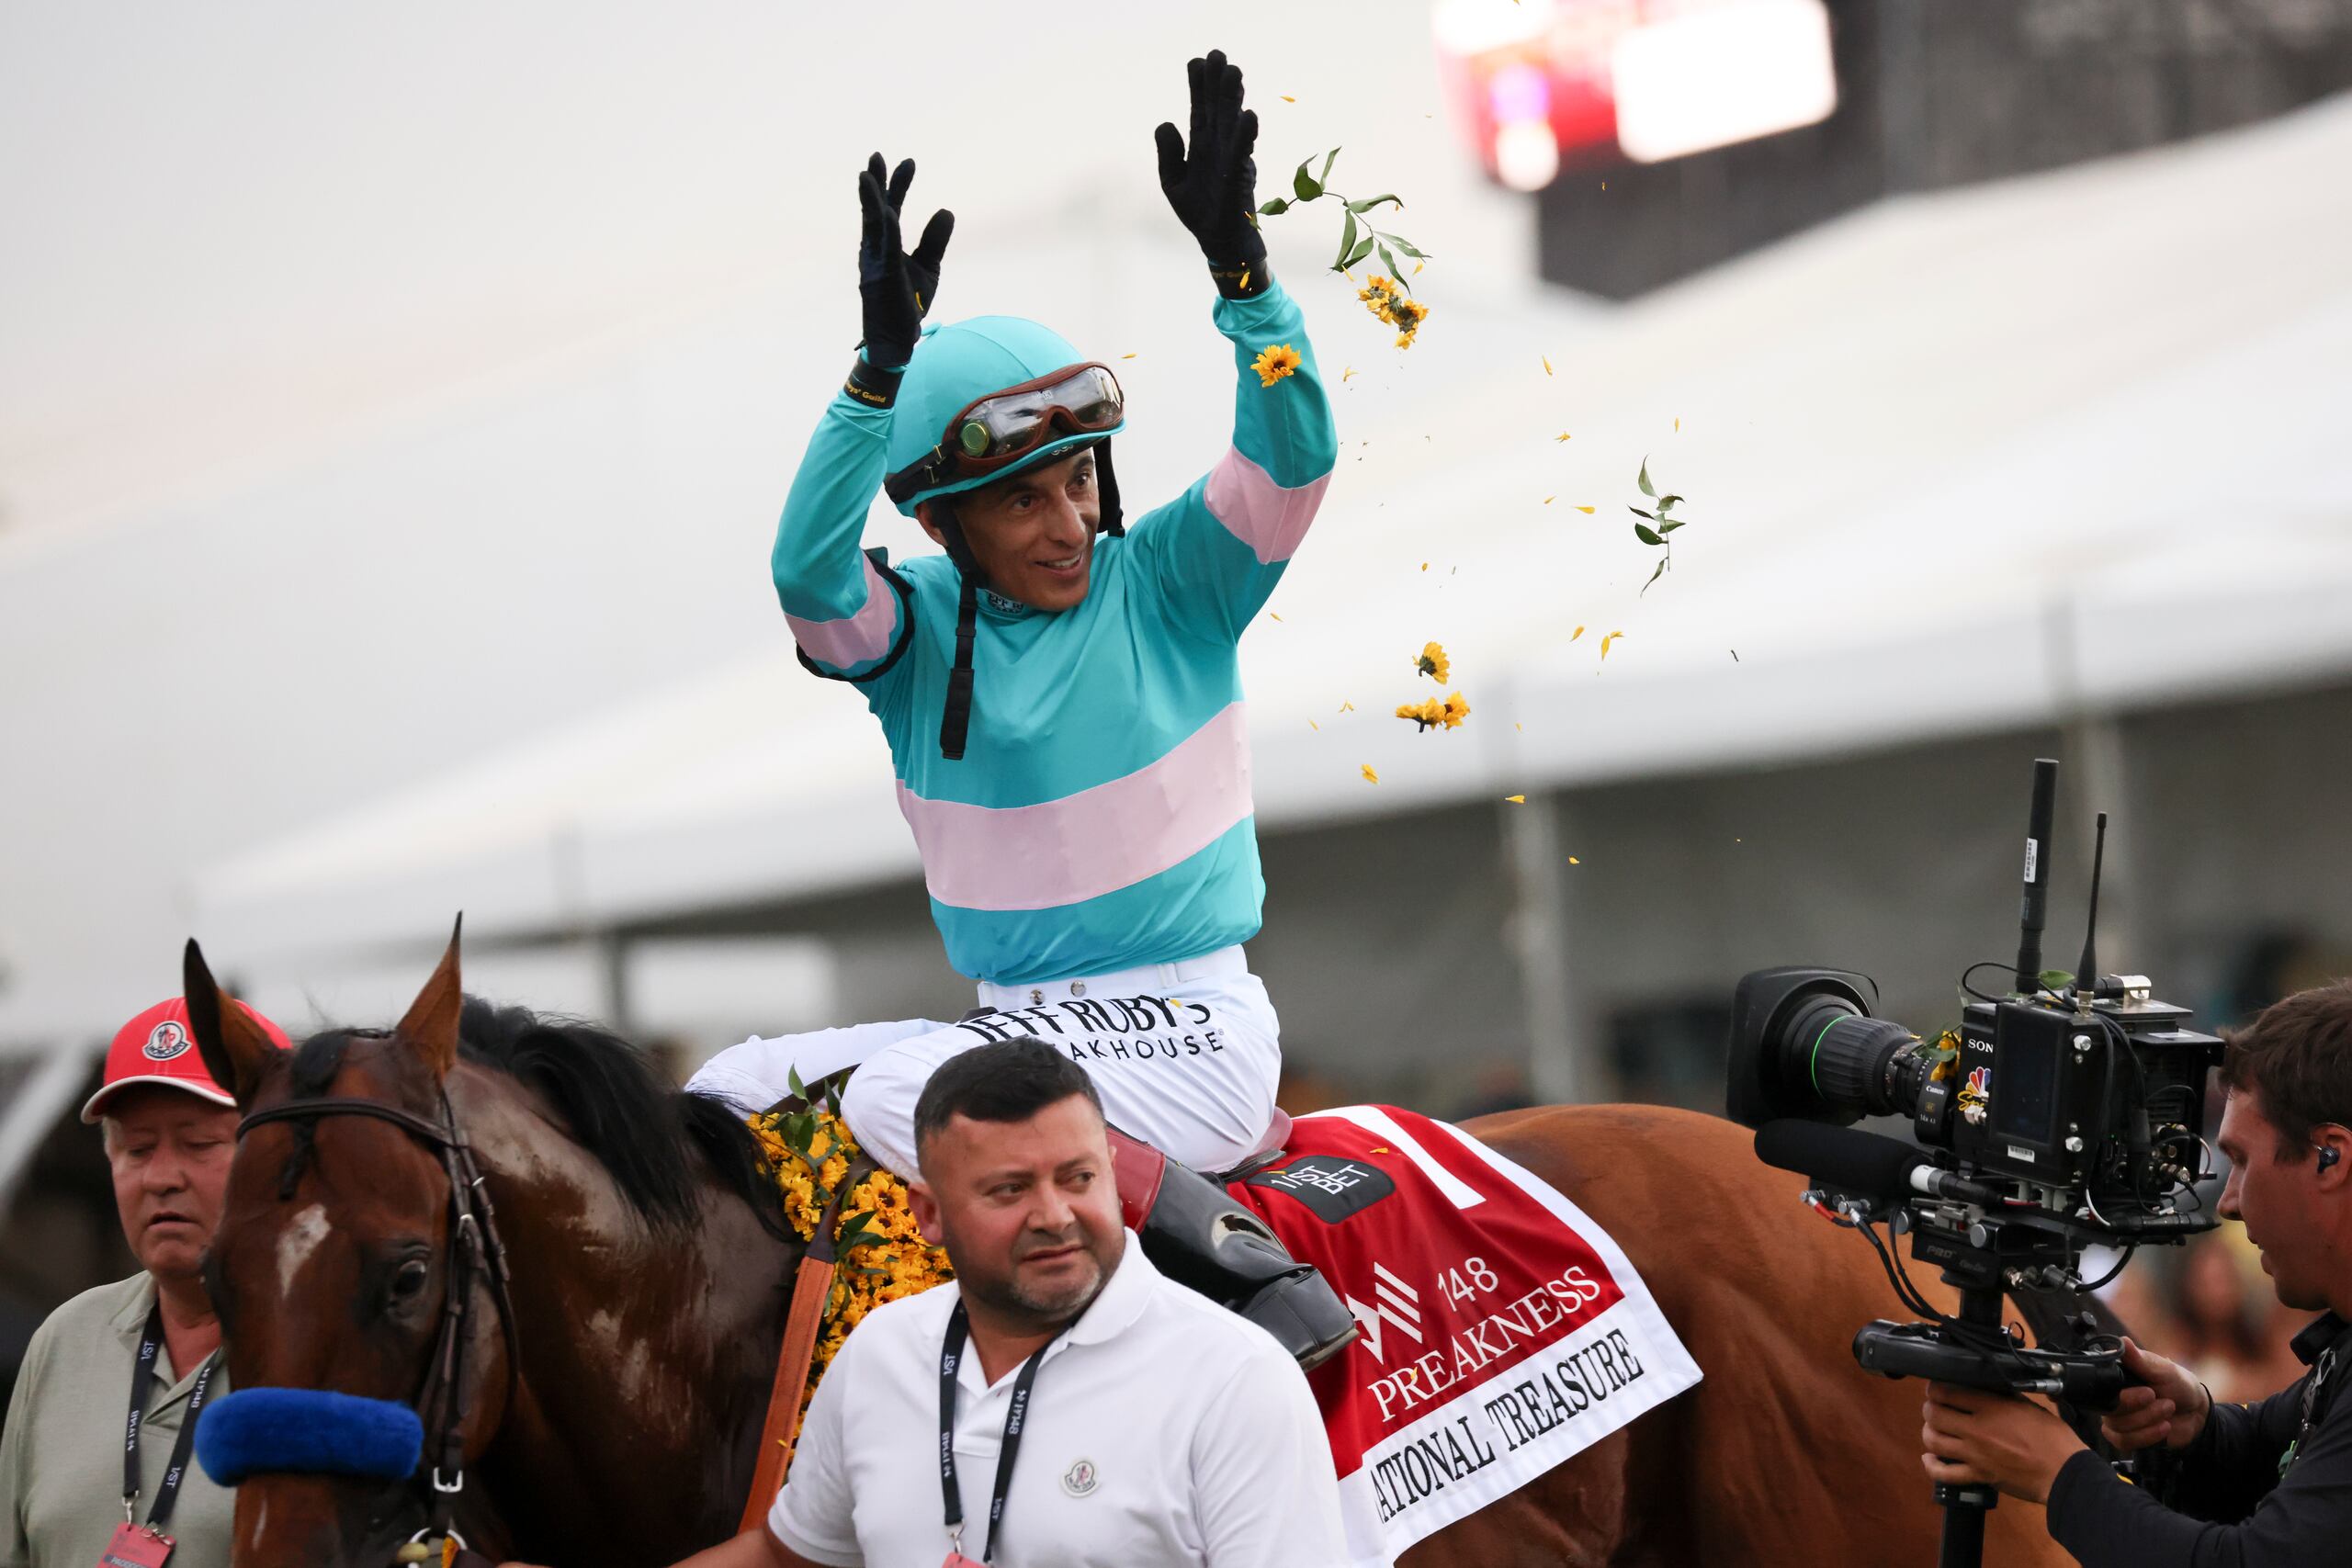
{"x":2037,"y":874}
{"x":2087,"y":971}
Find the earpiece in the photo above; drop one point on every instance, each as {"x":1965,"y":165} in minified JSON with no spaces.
{"x":2328,"y":1155}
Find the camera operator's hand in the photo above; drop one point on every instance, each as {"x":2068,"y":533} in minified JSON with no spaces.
{"x":1213,"y":184}
{"x":896,"y":288}
{"x":2169,"y":1409}
{"x":2016,"y":1444}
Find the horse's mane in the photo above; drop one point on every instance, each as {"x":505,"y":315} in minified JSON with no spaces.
{"x":643,"y":1132}
{"x":605,"y":1093}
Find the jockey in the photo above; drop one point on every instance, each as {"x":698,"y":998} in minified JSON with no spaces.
{"x":1062,"y":698}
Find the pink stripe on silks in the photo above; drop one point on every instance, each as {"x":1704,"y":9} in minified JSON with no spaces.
{"x":1258,"y":512}
{"x":852,"y":640}
{"x":1094,"y":842}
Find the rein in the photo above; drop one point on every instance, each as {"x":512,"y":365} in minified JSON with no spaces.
{"x":474,"y":1252}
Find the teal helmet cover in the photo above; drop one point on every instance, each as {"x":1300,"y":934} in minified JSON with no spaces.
{"x":955,"y":365}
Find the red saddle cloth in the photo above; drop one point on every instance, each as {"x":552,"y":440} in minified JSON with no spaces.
{"x":1502,"y":1331}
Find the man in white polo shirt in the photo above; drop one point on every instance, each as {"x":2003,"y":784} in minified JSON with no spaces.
{"x":1102,"y":1413}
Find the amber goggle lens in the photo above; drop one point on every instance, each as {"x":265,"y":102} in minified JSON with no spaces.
{"x":1000,"y":428}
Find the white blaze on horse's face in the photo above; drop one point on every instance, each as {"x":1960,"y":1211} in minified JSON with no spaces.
{"x":300,"y":1240}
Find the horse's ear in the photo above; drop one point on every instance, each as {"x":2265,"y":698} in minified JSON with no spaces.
{"x":431,"y":1024}
{"x":234,"y":1048}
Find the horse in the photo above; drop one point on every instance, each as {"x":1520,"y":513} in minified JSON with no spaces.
{"x":606,"y":1408}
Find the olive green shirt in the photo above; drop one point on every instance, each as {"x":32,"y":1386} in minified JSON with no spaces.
{"x":61,"y":1457}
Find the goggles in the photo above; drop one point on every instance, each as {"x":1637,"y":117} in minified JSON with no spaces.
{"x":997,"y":431}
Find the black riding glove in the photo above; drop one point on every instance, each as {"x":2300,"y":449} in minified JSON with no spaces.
{"x":895,"y":287}
{"x":1214,"y":191}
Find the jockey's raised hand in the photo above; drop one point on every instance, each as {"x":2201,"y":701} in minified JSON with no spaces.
{"x":1213,"y":183}
{"x":895,"y":287}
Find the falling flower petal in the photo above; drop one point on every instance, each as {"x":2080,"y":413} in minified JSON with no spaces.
{"x":1272,"y":616}
{"x":1585,"y":510}
{"x":1347,"y":708}
{"x":1287,"y":98}
{"x":1345,"y":375}
{"x":1314,"y":727}
{"x":1550,"y":499}
{"x":1548,"y":364}
{"x":1613,"y":637}
{"x":1127,"y":356}
{"x":1368,"y":777}
{"x":1516,"y":799}
{"x":1245,"y":279}
{"x":1425,"y":566}
{"x":1572,"y":861}
{"x":1563,"y":435}
{"x":1677,"y":422}
{"x":1575,"y":634}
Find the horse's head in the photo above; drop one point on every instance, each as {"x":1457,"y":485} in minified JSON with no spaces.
{"x":345,"y":1278}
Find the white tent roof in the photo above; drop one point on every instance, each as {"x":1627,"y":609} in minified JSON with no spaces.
{"x":1984,"y":458}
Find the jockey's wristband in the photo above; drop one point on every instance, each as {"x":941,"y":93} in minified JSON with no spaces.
{"x":874,"y":388}
{"x":1245,"y":281}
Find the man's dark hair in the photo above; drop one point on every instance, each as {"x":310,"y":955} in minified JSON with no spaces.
{"x":1010,"y":1081}
{"x":2297,"y":1054}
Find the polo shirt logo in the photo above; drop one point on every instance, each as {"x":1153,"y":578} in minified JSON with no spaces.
{"x":166,"y":1041}
{"x":1082,"y":1478}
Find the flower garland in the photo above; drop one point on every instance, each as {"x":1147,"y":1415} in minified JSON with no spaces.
{"x":881,"y":1255}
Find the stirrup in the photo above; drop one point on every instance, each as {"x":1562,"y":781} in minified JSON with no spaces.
{"x":1197,"y":1236}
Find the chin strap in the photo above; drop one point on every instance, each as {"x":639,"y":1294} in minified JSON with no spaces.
{"x":955,"y":723}
{"x":1106,"y":488}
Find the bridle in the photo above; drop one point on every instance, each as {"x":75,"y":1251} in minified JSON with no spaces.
{"x":474,"y":1252}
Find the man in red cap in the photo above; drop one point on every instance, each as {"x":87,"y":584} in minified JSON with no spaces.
{"x":86,"y":1476}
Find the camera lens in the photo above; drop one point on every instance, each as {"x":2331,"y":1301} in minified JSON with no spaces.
{"x":1855,"y":1064}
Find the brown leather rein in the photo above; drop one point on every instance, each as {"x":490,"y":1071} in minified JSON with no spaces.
{"x":474,"y":1253}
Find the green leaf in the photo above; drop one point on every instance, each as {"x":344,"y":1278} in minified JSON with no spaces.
{"x":1388,"y":260}
{"x":2056,"y":979}
{"x":1307,"y":187}
{"x":1670,"y":524}
{"x":1368,"y":203}
{"x":1647,"y":535}
{"x":1403,"y":245}
{"x":1347,"y":242}
{"x":1639,"y":512}
{"x":1648,"y":489}
{"x":1656,"y":575}
{"x":1326,"y":166}
{"x":1280,"y":204}
{"x":1665,"y":500}
{"x":1362,"y":248}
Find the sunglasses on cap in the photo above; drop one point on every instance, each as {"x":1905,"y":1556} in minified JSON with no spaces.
{"x":1001,"y":429}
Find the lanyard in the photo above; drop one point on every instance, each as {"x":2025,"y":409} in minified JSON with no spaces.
{"x":951,"y":1356}
{"x":142,"y":1382}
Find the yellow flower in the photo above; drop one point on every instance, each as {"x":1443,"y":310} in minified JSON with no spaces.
{"x":1456,"y":710}
{"x":1433,"y":714}
{"x":1275,"y":363}
{"x":1433,"y":662}
{"x":893,"y":1260}
{"x":1368,"y":777}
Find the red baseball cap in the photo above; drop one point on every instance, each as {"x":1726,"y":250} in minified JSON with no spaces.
{"x":159,"y":1046}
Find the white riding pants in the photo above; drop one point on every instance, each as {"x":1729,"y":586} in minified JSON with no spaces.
{"x":1186,"y":1056}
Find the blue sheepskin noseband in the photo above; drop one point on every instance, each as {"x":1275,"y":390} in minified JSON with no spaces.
{"x":307,"y":1431}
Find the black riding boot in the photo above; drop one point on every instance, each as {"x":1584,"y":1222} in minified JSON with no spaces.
{"x":1201,"y":1239}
